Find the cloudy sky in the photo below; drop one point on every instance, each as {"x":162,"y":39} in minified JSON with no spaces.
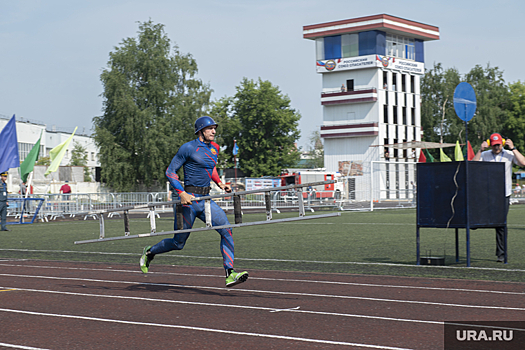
{"x":52,"y":52}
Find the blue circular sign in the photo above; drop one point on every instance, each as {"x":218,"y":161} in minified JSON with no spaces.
{"x":465,"y":101}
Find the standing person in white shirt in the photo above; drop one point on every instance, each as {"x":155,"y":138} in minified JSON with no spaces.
{"x":498,"y":154}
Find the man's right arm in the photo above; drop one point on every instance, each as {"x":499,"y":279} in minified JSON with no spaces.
{"x":171,"y":173}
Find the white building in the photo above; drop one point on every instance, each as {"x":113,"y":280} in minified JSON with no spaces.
{"x":28,"y":133}
{"x":371,"y":68}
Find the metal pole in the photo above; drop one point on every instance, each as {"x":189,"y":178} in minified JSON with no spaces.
{"x":253,"y":223}
{"x":371,"y":186}
{"x":466,"y":192}
{"x":207,"y":212}
{"x":101,"y":223}
{"x":268,"y":203}
{"x":179,"y":216}
{"x":237,"y":210}
{"x":126,"y":223}
{"x":301,"y":201}
{"x":235,"y":165}
{"x":417,"y":245}
{"x":457,"y":245}
{"x":152,"y":219}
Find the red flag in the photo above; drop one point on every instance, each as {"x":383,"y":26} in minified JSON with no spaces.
{"x":422,"y":158}
{"x":470,"y":152}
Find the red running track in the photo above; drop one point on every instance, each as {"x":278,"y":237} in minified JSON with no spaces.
{"x":70,"y":305}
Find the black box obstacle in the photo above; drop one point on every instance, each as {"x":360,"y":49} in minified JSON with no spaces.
{"x":442,"y":198}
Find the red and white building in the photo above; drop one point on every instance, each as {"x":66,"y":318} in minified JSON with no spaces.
{"x":371,"y":68}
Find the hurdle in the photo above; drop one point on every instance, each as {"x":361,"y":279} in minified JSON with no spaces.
{"x":237,"y":210}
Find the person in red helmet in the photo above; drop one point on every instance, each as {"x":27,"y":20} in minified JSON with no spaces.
{"x":498,"y":154}
{"x":198,"y":159}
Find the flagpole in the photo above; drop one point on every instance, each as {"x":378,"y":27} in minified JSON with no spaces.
{"x":235,"y":162}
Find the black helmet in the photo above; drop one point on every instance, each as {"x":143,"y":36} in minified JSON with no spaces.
{"x":203,"y":122}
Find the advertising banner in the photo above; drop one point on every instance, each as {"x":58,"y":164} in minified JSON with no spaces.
{"x":259,"y":183}
{"x":370,"y":61}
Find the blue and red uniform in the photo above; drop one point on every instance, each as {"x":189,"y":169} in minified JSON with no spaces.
{"x":198,"y":160}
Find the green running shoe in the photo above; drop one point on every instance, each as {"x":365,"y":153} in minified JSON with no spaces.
{"x":236,"y":278}
{"x":145,"y":260}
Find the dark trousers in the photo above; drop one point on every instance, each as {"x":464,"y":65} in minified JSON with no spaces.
{"x":190,"y":213}
{"x":3,"y":214}
{"x":500,"y":233}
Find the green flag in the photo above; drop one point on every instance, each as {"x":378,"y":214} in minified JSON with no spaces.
{"x":443,"y":157}
{"x":57,"y":153}
{"x":430,"y":159}
{"x":28,"y":164}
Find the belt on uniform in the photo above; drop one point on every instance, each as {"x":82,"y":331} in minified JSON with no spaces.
{"x":197,"y":190}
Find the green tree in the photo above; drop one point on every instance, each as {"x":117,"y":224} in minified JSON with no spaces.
{"x":515,"y":126}
{"x":79,"y":157}
{"x":437,"y":91}
{"x":260,"y":118}
{"x":151,"y":101}
{"x":438,"y":117}
{"x":492,"y":95}
{"x":315,"y":151}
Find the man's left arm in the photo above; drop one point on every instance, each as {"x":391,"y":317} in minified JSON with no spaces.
{"x":215,"y":175}
{"x":216,"y":178}
{"x":520,"y":159}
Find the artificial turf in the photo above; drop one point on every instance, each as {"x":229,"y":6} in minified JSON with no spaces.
{"x":379,"y":242}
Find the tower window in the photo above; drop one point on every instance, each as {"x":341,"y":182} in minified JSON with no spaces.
{"x":394,"y":81}
{"x":395,"y":115}
{"x":332,"y":47}
{"x":400,"y":46}
{"x":350,"y":45}
{"x":319,"y":49}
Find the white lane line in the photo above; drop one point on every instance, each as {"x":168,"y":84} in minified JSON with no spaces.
{"x":229,"y":332}
{"x":175,"y":256}
{"x":260,"y":308}
{"x":277,"y":279}
{"x":288,"y":309}
{"x":272,"y":292}
{"x":13,"y":346}
{"x":295,"y":309}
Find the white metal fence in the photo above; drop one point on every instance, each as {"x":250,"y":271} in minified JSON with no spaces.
{"x":81,"y":204}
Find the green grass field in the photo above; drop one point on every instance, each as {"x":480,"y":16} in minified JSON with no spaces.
{"x":380,"y":242}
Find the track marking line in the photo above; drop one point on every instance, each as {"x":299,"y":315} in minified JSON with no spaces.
{"x":289,"y":309}
{"x":244,"y":307}
{"x":295,"y":309}
{"x":20,"y":347}
{"x":7,"y":290}
{"x":202,"y":329}
{"x":273,"y":292}
{"x":281,"y":280}
{"x":176,"y":256}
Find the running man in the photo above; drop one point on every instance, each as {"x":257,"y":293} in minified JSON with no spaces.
{"x":198,"y":159}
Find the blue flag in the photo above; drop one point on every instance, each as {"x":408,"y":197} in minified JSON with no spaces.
{"x":235,"y":148}
{"x":9,"y":147}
